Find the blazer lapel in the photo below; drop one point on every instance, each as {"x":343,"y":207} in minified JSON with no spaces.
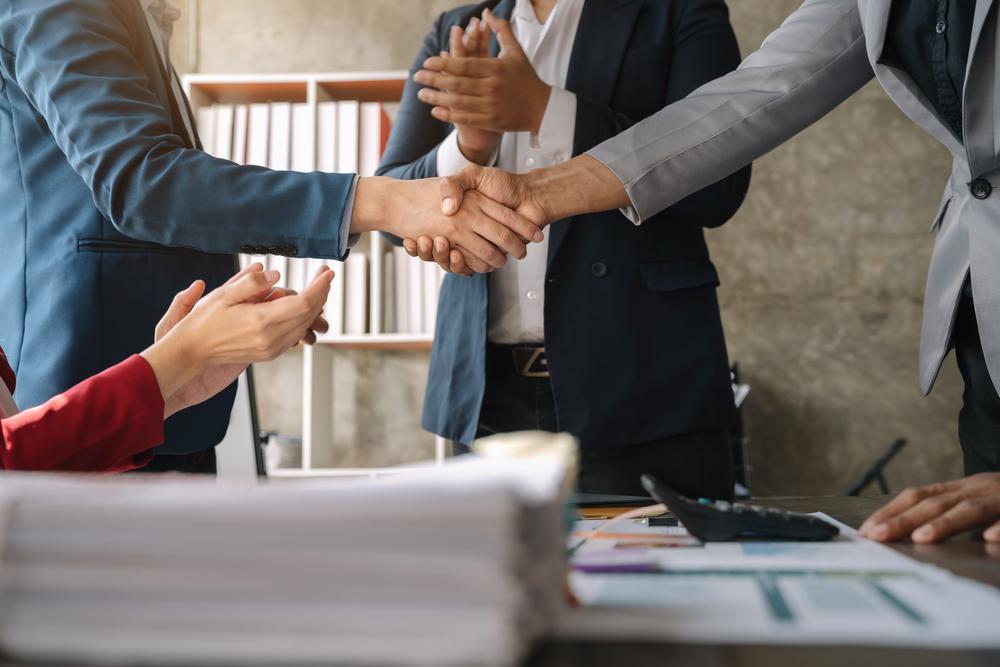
{"x":978,"y":108}
{"x":897,"y":83}
{"x":601,"y":40}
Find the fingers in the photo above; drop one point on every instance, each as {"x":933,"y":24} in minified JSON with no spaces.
{"x":992,"y":534}
{"x":465,"y":264}
{"x":965,"y":515}
{"x":898,"y":505}
{"x":425,"y":248}
{"x":449,"y":82}
{"x":182,"y":304}
{"x":497,"y":233}
{"x":509,"y":46}
{"x":460,"y":116}
{"x":438,"y":98}
{"x":410,"y":246}
{"x":475,"y":42}
{"x":250,"y":287}
{"x":442,"y":253}
{"x":528,"y":231}
{"x":473,"y":67}
{"x":901,"y":525}
{"x":250,"y":268}
{"x":457,"y":46}
{"x":453,"y":188}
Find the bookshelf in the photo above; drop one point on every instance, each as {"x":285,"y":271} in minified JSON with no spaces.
{"x":379,"y":330}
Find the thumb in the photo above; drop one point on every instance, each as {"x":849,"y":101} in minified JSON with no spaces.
{"x":182,"y":304}
{"x":453,"y":188}
{"x":509,"y":46}
{"x":250,"y":287}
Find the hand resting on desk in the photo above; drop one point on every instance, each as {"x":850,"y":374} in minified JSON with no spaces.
{"x":935,"y":512}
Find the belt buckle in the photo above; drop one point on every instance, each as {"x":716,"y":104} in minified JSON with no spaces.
{"x":536,"y":366}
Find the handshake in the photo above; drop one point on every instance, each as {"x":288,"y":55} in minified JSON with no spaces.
{"x":472,"y":221}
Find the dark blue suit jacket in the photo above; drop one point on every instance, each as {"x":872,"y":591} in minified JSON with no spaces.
{"x":107,"y":211}
{"x":632,"y":327}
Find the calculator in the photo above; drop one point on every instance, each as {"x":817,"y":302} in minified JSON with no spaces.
{"x":721,"y":521}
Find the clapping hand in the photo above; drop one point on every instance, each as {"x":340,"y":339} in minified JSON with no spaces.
{"x":203,"y":343}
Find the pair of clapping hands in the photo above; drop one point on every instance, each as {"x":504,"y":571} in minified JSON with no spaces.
{"x":483,"y":97}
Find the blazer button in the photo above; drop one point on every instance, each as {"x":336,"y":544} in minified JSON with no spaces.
{"x":260,"y":250}
{"x":981,"y":188}
{"x":598,"y":269}
{"x":276,"y":250}
{"x":246,"y":249}
{"x":291,"y":251}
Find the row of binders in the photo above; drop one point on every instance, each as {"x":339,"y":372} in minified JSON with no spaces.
{"x":456,"y":565}
{"x":345,"y":137}
{"x":401,"y":299}
{"x":375,"y":292}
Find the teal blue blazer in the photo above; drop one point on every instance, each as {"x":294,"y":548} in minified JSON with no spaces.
{"x":107,"y":209}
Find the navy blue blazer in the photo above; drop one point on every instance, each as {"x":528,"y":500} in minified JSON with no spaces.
{"x":632,"y":328}
{"x":108,"y":211}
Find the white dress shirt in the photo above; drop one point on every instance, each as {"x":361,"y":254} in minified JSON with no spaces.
{"x":517,"y":291}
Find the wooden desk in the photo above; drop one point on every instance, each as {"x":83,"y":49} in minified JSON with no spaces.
{"x":965,"y":555}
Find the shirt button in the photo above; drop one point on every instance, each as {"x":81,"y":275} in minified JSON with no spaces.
{"x":598,"y":269}
{"x":981,"y":188}
{"x":531,"y":294}
{"x":530,"y":162}
{"x":941,"y":27}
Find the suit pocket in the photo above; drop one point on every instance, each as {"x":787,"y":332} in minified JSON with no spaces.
{"x":681,"y":275}
{"x":126,"y":246}
{"x":940,"y":216}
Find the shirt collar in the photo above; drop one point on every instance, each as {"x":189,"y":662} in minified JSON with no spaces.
{"x":524,"y":11}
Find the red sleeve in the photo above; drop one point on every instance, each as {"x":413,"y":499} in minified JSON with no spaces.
{"x":6,"y":372}
{"x":108,"y":423}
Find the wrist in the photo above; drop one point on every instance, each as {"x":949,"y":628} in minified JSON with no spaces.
{"x":477,"y":154}
{"x":577,"y":186}
{"x":174,"y":364}
{"x":371,"y":206}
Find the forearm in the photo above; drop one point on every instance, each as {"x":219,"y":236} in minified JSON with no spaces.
{"x":577,"y":186}
{"x":104,"y":423}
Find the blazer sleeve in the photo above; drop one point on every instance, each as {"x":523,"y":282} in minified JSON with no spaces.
{"x":108,"y":423}
{"x":411,"y":151}
{"x":76,"y":62}
{"x":814,"y":61}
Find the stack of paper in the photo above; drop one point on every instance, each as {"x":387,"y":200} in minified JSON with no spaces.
{"x":459,"y":565}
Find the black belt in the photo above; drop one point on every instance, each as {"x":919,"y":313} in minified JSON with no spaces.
{"x":529,"y":361}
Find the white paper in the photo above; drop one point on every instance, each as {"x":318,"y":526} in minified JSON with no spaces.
{"x":849,"y":591}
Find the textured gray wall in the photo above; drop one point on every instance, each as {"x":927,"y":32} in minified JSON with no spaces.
{"x":822,"y":269}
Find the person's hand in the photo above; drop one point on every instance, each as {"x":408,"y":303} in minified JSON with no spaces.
{"x":511,"y":190}
{"x":477,"y":145}
{"x":502,"y":94}
{"x":938,"y":511}
{"x":203,"y":344}
{"x":480,"y":229}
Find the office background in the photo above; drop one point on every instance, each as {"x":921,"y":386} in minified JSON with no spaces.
{"x":822,"y":269}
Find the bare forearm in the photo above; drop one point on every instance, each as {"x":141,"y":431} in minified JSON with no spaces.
{"x":174,"y":366}
{"x":581,"y":185}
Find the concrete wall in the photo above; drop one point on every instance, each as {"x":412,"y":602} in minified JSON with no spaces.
{"x":822,"y":270}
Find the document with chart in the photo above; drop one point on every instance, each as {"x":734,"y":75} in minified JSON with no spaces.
{"x":659,"y":583}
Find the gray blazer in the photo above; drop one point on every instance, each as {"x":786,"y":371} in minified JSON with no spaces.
{"x":824,"y":52}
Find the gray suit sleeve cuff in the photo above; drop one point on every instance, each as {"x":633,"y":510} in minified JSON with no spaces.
{"x":347,"y":240}
{"x":630,"y":212}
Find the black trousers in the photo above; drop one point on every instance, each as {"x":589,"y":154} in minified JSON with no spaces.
{"x":979,"y":419}
{"x":199,"y":463}
{"x":696,"y":464}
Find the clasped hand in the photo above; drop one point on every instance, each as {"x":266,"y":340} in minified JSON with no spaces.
{"x":474,"y":92}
